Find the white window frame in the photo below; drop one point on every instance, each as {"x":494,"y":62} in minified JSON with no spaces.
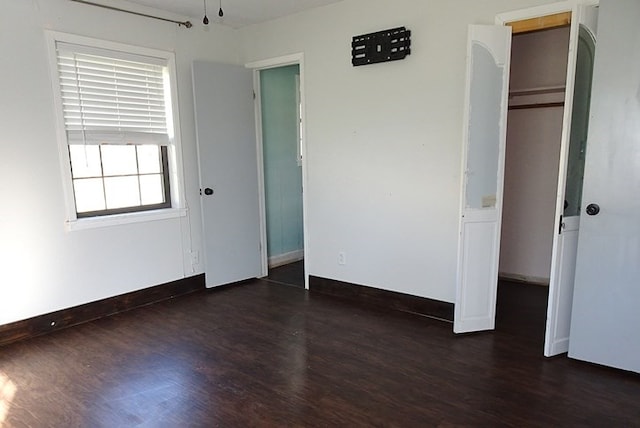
{"x":174,"y":150}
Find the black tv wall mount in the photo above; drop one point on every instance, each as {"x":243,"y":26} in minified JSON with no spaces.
{"x":382,"y":46}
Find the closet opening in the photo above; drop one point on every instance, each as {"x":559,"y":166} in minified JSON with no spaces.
{"x":281,"y":116}
{"x":539,"y":59}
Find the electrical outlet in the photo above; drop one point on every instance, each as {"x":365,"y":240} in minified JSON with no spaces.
{"x":195,"y":260}
{"x":342,"y":258}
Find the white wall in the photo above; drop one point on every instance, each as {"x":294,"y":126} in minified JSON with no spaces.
{"x":383,"y":141}
{"x":384,"y":145}
{"x":43,"y":267}
{"x":538,"y":60}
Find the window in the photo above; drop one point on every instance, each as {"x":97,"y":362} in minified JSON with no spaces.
{"x":110,"y":179}
{"x":117,"y":126}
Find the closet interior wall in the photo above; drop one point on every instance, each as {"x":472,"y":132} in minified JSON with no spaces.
{"x":537,"y":86}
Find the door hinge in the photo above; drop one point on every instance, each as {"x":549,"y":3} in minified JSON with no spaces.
{"x":561,"y":225}
{"x":254,"y":95}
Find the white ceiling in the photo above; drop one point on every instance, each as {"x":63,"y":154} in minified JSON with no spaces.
{"x":237,"y":13}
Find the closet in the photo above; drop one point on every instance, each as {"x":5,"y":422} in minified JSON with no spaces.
{"x":534,"y":131}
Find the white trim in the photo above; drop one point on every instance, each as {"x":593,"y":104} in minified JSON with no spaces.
{"x":199,"y":166}
{"x":262,"y":201}
{"x":534,"y":12}
{"x":175,"y":147}
{"x":544,"y":10}
{"x":298,"y":123}
{"x":281,"y":61}
{"x":292,"y":59}
{"x":127,"y":218}
{"x":57,"y":36}
{"x":286,"y":258}
{"x":61,"y":134}
{"x":176,"y":166}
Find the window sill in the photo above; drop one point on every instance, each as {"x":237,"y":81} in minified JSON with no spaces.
{"x":128,"y":218}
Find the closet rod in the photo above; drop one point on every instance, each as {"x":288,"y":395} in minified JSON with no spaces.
{"x":187,"y":24}
{"x":536,"y":105}
{"x":536,"y":91}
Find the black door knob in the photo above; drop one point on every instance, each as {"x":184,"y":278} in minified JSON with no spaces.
{"x":208,"y":191}
{"x":593,"y":209}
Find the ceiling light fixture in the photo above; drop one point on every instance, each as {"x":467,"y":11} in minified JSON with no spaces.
{"x":205,"y":20}
{"x":220,"y":12}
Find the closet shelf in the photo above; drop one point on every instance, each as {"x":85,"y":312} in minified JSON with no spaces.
{"x":535,"y":105}
{"x":536,"y":91}
{"x":540,"y":97}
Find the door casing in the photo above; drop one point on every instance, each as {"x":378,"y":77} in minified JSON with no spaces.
{"x":552,"y":348}
{"x":528,"y":13}
{"x":257,"y":66}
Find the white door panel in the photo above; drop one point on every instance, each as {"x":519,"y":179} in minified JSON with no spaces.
{"x":478,"y":282}
{"x":559,"y":313}
{"x":606,"y":315}
{"x":488,"y":55}
{"x":225,"y":130}
{"x":573,"y":147}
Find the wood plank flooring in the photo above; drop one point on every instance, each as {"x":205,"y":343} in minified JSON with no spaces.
{"x":289,"y":274}
{"x":267,"y":355}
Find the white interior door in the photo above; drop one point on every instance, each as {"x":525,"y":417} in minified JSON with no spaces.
{"x":606,"y":315}
{"x":225,"y":130}
{"x":573,"y":148}
{"x":488,"y":56}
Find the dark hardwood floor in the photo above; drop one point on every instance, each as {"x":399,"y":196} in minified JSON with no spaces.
{"x":289,"y":274}
{"x":522,"y":311}
{"x":263,"y":354}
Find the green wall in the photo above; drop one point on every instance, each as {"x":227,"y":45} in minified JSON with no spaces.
{"x":283,"y":175}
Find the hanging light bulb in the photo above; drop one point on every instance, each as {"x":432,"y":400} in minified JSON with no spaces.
{"x":205,"y":20}
{"x":220,"y":12}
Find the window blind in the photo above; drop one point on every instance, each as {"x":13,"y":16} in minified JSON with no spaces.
{"x":111,"y":97}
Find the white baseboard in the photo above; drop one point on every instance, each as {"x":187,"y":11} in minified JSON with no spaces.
{"x":524,"y":278}
{"x":286,"y":258}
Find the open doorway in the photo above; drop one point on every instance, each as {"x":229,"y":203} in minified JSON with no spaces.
{"x":280,"y":129}
{"x":532,"y":175}
{"x":484,"y":148}
{"x":534,"y":136}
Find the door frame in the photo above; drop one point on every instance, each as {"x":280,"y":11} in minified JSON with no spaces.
{"x":572,"y":6}
{"x":257,"y":67}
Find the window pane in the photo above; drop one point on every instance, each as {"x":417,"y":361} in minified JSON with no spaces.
{"x":89,"y":195}
{"x":151,"y":189}
{"x":121,"y":192}
{"x":119,"y":160}
{"x":484,"y":140}
{"x":149,"y":159}
{"x":85,"y":161}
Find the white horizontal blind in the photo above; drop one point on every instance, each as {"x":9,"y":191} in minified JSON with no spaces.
{"x":111,"y":97}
